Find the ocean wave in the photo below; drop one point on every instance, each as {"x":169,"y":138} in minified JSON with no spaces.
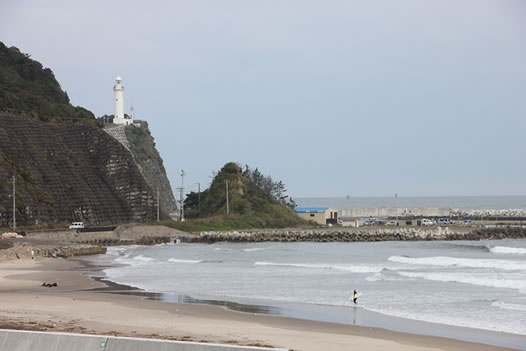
{"x":450,"y":319}
{"x":254,"y":249}
{"x":467,"y":279}
{"x":509,"y":306}
{"x":475,"y":247}
{"x":508,"y":250}
{"x":176,"y":260}
{"x":135,"y":260}
{"x":444,"y":261}
{"x":348,"y":268}
{"x":116,"y":250}
{"x":385,"y":275}
{"x":120,"y":250}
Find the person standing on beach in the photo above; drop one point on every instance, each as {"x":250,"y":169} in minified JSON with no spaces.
{"x":32,"y":254}
{"x":355,"y":296}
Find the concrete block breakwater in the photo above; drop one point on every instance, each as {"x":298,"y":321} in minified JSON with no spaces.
{"x":358,"y":234}
{"x":513,"y":213}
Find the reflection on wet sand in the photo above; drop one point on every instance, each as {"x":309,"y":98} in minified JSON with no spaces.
{"x":115,"y":288}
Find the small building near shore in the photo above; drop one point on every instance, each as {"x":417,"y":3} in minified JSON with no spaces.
{"x":349,"y":222}
{"x":320,"y":215}
{"x":409,"y":222}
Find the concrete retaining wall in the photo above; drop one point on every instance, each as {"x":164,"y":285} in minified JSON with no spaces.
{"x":391,"y":212}
{"x":21,"y":340}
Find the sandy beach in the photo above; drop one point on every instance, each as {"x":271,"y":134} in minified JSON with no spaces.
{"x":73,"y":306}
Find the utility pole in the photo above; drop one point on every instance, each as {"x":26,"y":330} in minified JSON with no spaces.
{"x":182,"y":194}
{"x":14,"y":203}
{"x":396,"y":201}
{"x":348,"y":206}
{"x":157,"y":203}
{"x":199,"y":198}
{"x":179,"y":201}
{"x":227,"y":208}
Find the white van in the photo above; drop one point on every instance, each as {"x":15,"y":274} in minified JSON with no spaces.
{"x":427,"y":221}
{"x":76,"y":225}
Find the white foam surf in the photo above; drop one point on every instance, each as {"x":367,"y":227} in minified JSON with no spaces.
{"x":508,"y":250}
{"x":176,"y":260}
{"x":385,"y":275}
{"x":467,"y":279}
{"x":509,"y":306}
{"x":135,"y":260}
{"x":143,"y":258}
{"x":444,"y":261}
{"x":348,"y":268}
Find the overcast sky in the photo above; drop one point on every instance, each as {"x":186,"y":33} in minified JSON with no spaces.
{"x":365,"y":98}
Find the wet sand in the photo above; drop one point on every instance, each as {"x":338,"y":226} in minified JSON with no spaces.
{"x":81,"y":304}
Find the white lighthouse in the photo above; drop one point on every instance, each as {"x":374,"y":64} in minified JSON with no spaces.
{"x":119,"y":118}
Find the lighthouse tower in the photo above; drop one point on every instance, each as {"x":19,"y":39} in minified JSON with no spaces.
{"x":119,"y":103}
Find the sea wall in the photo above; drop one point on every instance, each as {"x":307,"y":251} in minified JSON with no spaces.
{"x":23,"y":250}
{"x":127,"y":234}
{"x":22,"y":340}
{"x":358,"y":234}
{"x":393,"y":212}
{"x":70,"y":242}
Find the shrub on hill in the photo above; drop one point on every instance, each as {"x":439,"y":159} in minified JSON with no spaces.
{"x":254,"y":201}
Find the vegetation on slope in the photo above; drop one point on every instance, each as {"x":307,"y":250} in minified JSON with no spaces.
{"x":142,"y":146}
{"x":27,"y":88}
{"x":254,"y":201}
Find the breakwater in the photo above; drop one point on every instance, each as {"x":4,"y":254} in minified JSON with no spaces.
{"x":502,"y":214}
{"x":23,"y":250}
{"x":65,"y":243}
{"x":358,"y":234}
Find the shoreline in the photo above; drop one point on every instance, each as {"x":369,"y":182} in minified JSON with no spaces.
{"x":352,"y":316}
{"x":76,"y":306}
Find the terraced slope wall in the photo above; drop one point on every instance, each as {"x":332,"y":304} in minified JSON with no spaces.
{"x":141,"y":144}
{"x":69,"y":172}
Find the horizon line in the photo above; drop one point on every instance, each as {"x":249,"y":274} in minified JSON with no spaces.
{"x":399,"y":196}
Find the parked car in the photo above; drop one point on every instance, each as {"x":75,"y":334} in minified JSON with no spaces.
{"x":468,"y":222}
{"x":369,"y":221}
{"x":373,"y":221}
{"x":444,"y":221}
{"x":427,"y":221}
{"x":76,"y":225}
{"x":392,"y":223}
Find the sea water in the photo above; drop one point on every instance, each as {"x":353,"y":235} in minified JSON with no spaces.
{"x":475,"y":284}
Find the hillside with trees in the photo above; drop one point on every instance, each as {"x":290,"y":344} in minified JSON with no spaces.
{"x":254,"y":201}
{"x":29,"y":89}
{"x":64,"y":166}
